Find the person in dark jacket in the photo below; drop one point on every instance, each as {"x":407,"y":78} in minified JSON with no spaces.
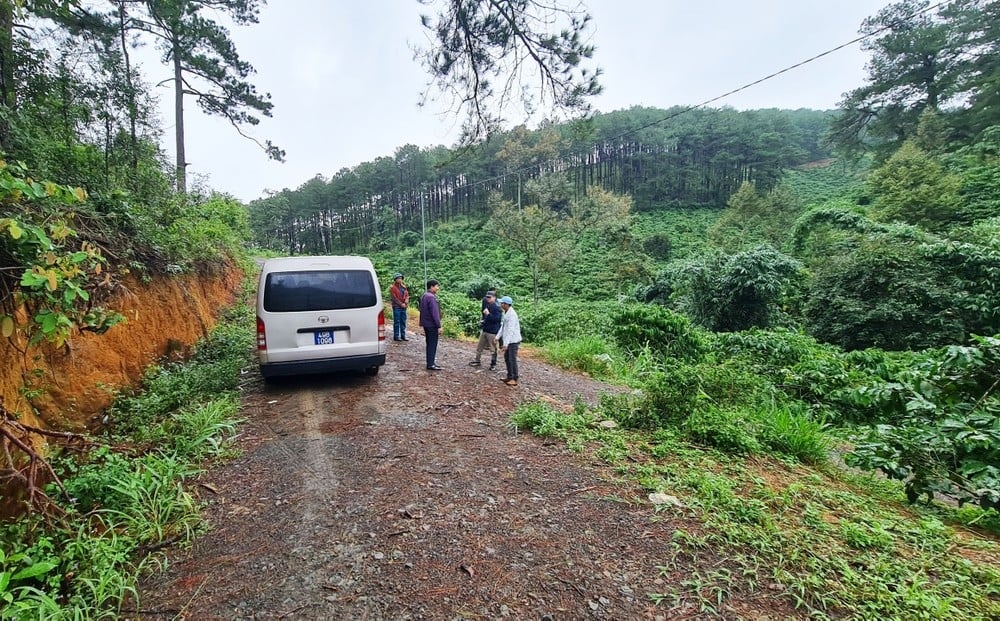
{"x":490,"y":325}
{"x":430,"y":321}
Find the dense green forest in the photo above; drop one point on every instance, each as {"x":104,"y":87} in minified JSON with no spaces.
{"x":772,"y":282}
{"x":663,"y":158}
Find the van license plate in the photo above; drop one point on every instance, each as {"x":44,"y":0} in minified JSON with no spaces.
{"x":323,"y":337}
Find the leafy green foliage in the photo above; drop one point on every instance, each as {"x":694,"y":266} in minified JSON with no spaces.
{"x":894,"y":286}
{"x":212,"y":370}
{"x":912,"y":187}
{"x":564,"y":320}
{"x":125,"y":503}
{"x":727,"y":429}
{"x":978,"y":167}
{"x":882,"y":296}
{"x":825,"y":182}
{"x":769,"y":353}
{"x":788,"y":430}
{"x":751,"y":219}
{"x":588,"y":354}
{"x":59,"y":276}
{"x":736,"y":292}
{"x":541,"y":419}
{"x":941,"y":429}
{"x":664,"y":332}
{"x":545,"y":234}
{"x":193,"y":231}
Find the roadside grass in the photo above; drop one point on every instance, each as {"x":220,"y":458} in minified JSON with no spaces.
{"x":126,"y":498}
{"x":781,"y":523}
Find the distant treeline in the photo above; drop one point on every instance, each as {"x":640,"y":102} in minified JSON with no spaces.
{"x":663,"y":158}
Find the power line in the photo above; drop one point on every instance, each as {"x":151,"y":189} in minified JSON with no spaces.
{"x":787,"y":69}
{"x":503,"y":177}
{"x":687,"y":109}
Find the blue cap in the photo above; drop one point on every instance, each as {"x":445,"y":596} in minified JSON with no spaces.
{"x":397,"y":275}
{"x":506,"y":300}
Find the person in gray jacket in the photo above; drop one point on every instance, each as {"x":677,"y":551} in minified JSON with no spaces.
{"x":509,"y":338}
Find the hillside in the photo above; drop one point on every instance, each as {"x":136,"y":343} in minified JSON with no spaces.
{"x":417,"y":495}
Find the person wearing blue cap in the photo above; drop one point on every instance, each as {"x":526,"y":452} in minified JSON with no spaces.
{"x":400,"y":302}
{"x":509,"y":337}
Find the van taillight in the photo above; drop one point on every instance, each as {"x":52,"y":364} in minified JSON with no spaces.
{"x":261,"y":338}
{"x":381,"y":325}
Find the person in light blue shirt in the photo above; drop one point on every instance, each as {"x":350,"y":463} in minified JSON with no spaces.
{"x":509,"y":337}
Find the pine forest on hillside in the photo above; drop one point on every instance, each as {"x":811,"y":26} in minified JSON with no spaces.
{"x":812,"y":286}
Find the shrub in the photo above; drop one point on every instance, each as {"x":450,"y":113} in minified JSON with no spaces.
{"x":542,"y":420}
{"x":670,"y":396}
{"x":940,"y":430}
{"x":724,"y":428}
{"x":459,"y":314}
{"x":662,"y":330}
{"x":546,"y":322}
{"x":586,"y":353}
{"x":740,"y":291}
{"x":794,"y":433}
{"x":478,"y":284}
{"x":768,"y":352}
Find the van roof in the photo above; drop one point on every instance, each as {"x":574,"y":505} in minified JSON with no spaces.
{"x":316,"y":263}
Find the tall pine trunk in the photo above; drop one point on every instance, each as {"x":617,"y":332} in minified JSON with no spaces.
{"x":179,"y":118}
{"x":7,"y":93}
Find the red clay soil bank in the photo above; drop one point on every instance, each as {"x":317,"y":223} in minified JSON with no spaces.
{"x":66,"y":389}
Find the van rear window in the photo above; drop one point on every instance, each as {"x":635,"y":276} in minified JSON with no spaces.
{"x":290,"y":292}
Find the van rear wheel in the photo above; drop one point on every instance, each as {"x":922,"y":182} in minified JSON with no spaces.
{"x":372,"y":371}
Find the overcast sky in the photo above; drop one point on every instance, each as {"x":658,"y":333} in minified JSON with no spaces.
{"x":345,"y":86}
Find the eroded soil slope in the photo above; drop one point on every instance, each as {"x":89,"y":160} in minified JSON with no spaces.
{"x":66,"y":388}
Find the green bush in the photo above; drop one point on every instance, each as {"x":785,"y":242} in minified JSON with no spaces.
{"x":553,"y":321}
{"x":669,"y":396}
{"x":460,"y":315}
{"x":213,"y":370}
{"x":121,"y":504}
{"x":748,"y":289}
{"x":586,"y":353}
{"x":726,"y":429}
{"x":190,"y":230}
{"x":478,"y":284}
{"x":793,"y":433}
{"x":940,"y":425}
{"x":768,"y":352}
{"x":542,"y":420}
{"x":665,"y":332}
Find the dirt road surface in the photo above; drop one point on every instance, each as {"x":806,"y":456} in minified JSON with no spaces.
{"x":411,"y":496}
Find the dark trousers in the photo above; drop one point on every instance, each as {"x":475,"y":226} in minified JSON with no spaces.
{"x":399,"y":323}
{"x":432,"y":344}
{"x":510,"y":359}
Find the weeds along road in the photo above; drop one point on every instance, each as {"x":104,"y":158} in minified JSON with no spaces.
{"x":411,"y":496}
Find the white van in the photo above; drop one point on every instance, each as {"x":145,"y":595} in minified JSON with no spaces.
{"x":319,"y":314}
